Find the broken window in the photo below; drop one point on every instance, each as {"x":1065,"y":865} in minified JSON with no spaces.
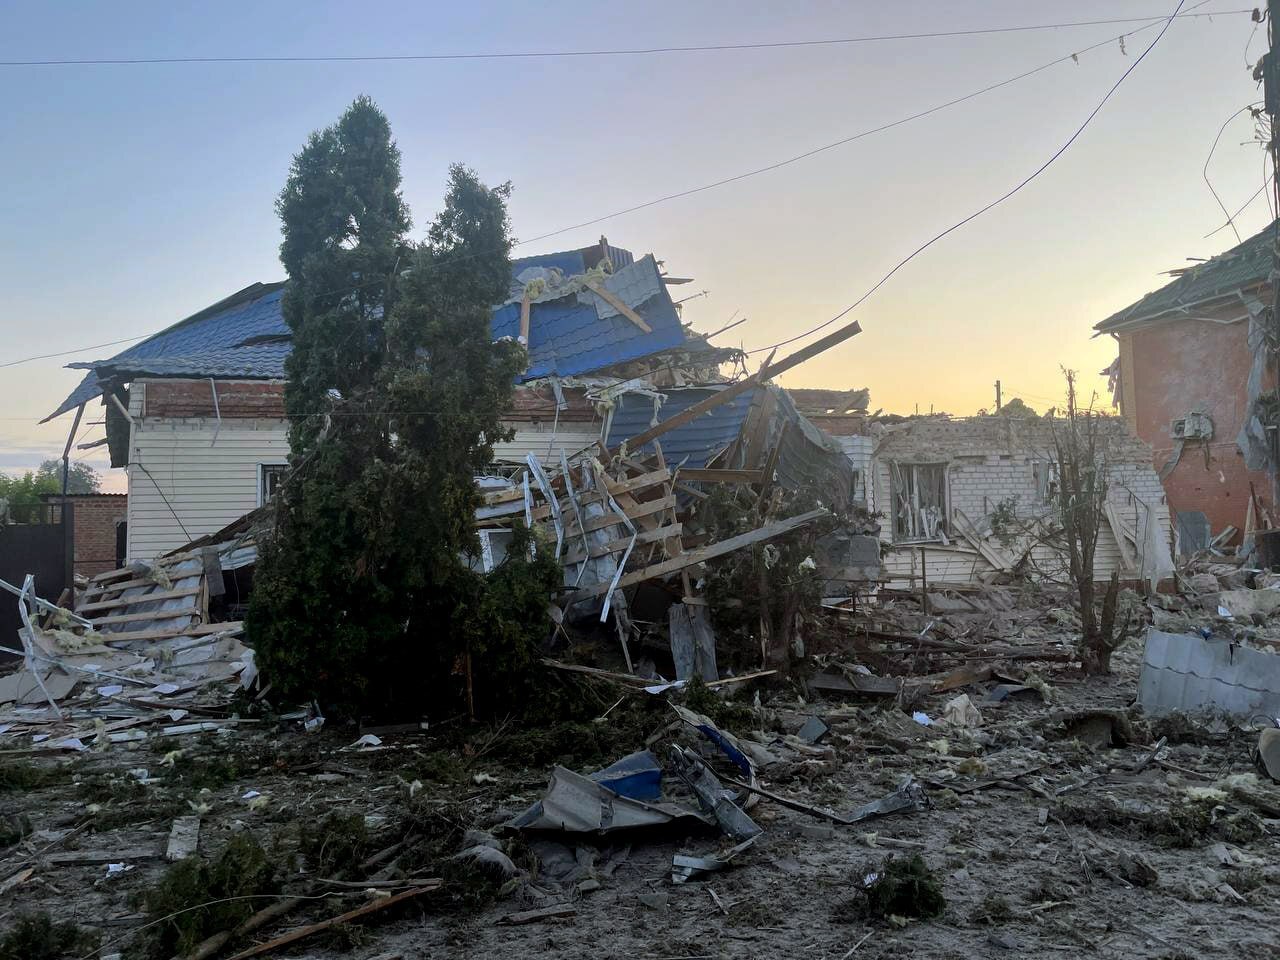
{"x":1047,"y":479}
{"x":919,"y":501}
{"x":270,"y":476}
{"x":857,"y":488}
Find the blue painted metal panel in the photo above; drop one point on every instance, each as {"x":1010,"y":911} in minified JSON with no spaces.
{"x":567,"y":336}
{"x":698,"y":441}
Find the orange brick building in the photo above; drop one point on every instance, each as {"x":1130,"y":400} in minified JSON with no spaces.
{"x":97,"y":529}
{"x":1192,"y":366}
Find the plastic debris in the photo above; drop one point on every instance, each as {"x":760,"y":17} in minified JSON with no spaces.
{"x":961,"y":712}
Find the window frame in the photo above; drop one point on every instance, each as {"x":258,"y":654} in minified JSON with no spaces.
{"x":265,"y":469}
{"x":896,"y":475}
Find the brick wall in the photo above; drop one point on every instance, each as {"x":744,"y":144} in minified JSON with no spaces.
{"x":1180,"y":366}
{"x":94,"y":529}
{"x":236,"y":399}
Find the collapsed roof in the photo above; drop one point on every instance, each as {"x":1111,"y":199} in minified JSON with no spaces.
{"x":589,"y":309}
{"x":1230,"y":275}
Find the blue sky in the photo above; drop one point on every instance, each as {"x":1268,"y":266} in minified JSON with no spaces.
{"x":136,"y":195}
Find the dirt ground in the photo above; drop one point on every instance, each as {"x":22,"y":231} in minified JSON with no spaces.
{"x":1047,"y":839}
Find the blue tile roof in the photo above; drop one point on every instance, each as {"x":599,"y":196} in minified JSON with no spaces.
{"x":568,"y":337}
{"x":253,"y":312}
{"x":245,"y":336}
{"x":698,"y":440}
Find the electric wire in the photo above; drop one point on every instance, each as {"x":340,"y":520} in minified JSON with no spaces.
{"x":709,"y":186}
{"x":607,"y":52}
{"x":980,"y":211}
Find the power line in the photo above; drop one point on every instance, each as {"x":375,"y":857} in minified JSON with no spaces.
{"x":65,"y":353}
{"x":994,"y":203}
{"x":608,"y":52}
{"x":1243,"y":207}
{"x":718,"y":183}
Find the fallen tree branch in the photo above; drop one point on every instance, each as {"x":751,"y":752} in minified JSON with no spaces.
{"x":307,"y":931}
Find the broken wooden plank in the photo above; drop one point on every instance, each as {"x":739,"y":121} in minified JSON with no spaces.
{"x":722,"y":476}
{"x":184,"y":838}
{"x":742,"y":386}
{"x":303,"y":932}
{"x":194,"y":630}
{"x":993,"y":555}
{"x":635,"y":484}
{"x":609,"y":297}
{"x":532,"y":916}
{"x":19,"y":878}
{"x":524,"y":319}
{"x":148,"y":615}
{"x":709,"y":552}
{"x":596,"y":672}
{"x":646,"y":509}
{"x":617,"y":546}
{"x":88,"y":858}
{"x":144,"y":598}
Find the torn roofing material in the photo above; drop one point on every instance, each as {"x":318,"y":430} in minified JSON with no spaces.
{"x":692,"y":444}
{"x":568,"y":336}
{"x":1243,"y":267}
{"x":245,"y":336}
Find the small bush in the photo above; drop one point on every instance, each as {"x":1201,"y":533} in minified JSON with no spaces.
{"x":904,"y":888}
{"x":26,"y":776}
{"x":195,"y":899}
{"x":336,"y":845}
{"x":35,"y":936}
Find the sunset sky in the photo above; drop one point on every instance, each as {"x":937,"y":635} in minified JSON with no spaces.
{"x":137,"y":194}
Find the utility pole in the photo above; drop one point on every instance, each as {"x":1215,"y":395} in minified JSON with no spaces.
{"x":997,"y":396}
{"x":1270,"y":69}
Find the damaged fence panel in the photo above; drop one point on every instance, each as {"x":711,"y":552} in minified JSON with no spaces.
{"x":1183,"y":672}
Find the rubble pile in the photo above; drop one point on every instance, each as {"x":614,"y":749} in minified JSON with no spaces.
{"x":936,"y":775}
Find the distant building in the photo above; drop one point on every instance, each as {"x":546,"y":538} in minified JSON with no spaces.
{"x":1193,"y":381}
{"x":196,"y":414}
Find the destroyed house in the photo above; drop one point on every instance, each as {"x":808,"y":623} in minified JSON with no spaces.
{"x":971,"y":501}
{"x":196,"y":415}
{"x":1192,"y":380}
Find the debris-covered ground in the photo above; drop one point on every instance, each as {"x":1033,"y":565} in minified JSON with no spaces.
{"x":1064,"y":822}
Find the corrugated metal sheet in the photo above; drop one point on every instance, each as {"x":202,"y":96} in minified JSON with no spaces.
{"x":568,"y":336}
{"x":694,"y":443}
{"x":1182,"y":672}
{"x":253,"y":312}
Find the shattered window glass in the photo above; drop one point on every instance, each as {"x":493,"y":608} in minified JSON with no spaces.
{"x":269,"y":477}
{"x":919,"y":501}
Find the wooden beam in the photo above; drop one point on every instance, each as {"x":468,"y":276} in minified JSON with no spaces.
{"x":149,"y":615}
{"x":722,"y":476}
{"x":611,"y":519}
{"x":144,"y":598}
{"x":642,"y":482}
{"x":610,"y":298}
{"x":742,"y":386}
{"x":702,"y":554}
{"x":198,"y":630}
{"x":524,"y":320}
{"x":617,"y":546}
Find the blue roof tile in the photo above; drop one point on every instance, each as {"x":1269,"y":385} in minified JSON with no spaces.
{"x":699,"y":440}
{"x":245,"y":336}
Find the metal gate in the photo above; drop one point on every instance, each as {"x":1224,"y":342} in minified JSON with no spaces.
{"x":39,"y":549}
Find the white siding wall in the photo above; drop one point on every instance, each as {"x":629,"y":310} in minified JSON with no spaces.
{"x":539,"y":439}
{"x":176,"y":467}
{"x":977,"y":483}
